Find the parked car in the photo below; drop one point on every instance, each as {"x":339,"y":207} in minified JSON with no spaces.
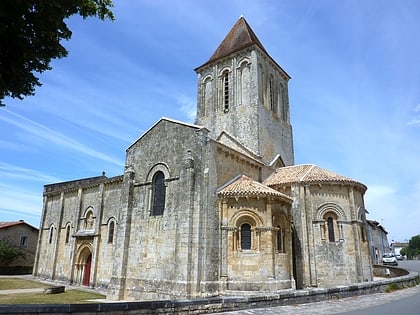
{"x":389,"y":259}
{"x":399,"y":257}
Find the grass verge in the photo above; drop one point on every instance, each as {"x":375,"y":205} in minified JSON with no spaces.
{"x":18,"y":283}
{"x":68,"y":297}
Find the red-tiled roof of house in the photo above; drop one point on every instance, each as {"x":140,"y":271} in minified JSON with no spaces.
{"x":7,"y":224}
{"x":244,"y":186}
{"x":4,"y":225}
{"x":308,"y":174}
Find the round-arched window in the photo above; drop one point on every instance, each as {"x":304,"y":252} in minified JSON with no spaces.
{"x":159,"y":193}
{"x":245,"y":236}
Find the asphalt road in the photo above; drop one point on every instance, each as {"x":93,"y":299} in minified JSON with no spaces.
{"x":404,"y":302}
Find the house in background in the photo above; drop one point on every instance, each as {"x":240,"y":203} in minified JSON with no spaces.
{"x":397,"y":246}
{"x":378,"y":239}
{"x":24,"y":236}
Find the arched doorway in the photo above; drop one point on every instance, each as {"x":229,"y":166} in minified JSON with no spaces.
{"x":86,"y":272}
{"x":83,"y":264}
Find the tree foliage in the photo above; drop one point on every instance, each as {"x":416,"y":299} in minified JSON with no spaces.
{"x":30,"y":37}
{"x":9,"y":252}
{"x":413,"y":248}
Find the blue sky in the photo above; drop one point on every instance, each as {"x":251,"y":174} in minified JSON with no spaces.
{"x":354,"y":94}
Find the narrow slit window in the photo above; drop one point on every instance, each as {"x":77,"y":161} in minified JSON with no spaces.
{"x":67,"y":234}
{"x":330,"y":224}
{"x":51,"y":235}
{"x":111,"y":232}
{"x":272,"y":105}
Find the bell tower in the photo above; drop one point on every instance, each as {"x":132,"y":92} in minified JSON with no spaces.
{"x":243,"y":97}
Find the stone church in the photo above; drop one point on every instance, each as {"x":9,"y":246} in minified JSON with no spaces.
{"x":212,"y":208}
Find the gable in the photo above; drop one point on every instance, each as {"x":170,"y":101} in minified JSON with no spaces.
{"x":162,"y":123}
{"x":230,"y":141}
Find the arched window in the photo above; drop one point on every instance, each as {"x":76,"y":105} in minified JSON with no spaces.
{"x":330,"y":225}
{"x":207,"y":97}
{"x":283,"y":102}
{"x":158,"y":193}
{"x":67,"y":233}
{"x":111,"y":228}
{"x":279,"y":240}
{"x":51,"y":234}
{"x":244,"y":82}
{"x":225,"y":85}
{"x":245,"y":236}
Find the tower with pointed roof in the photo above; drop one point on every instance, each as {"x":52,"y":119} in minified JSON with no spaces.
{"x":243,"y":98}
{"x":213,"y":208}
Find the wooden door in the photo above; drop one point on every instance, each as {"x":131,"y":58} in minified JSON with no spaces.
{"x":86,"y":275}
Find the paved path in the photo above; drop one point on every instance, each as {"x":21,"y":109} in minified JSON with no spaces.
{"x":333,"y":306}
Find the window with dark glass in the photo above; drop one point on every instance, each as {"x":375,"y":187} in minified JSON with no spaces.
{"x":246,"y":236}
{"x":23,"y":241}
{"x":111,"y":232}
{"x":158,"y":193}
{"x":330,"y":224}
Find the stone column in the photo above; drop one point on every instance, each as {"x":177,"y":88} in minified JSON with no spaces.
{"x":40,"y":236}
{"x":57,"y":238}
{"x":120,"y":251}
{"x":355,"y":229}
{"x":97,"y":241}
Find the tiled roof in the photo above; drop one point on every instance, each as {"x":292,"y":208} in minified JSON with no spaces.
{"x":4,"y":225}
{"x":240,"y":36}
{"x":308,"y":174}
{"x":244,"y":186}
{"x":7,"y":224}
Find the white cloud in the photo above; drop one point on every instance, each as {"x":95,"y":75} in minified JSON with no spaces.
{"x":15,"y":199}
{"x":17,"y":172}
{"x":416,"y":120}
{"x":40,"y":131}
{"x":187,"y":106}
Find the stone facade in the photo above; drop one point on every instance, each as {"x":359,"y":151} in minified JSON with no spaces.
{"x":214,"y":207}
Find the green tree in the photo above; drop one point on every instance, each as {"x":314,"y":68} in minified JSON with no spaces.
{"x":9,"y":252}
{"x":30,"y":37}
{"x":413,"y":248}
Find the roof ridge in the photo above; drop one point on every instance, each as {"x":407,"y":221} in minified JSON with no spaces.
{"x":232,"y":180}
{"x":239,"y":37}
{"x":307,"y":172}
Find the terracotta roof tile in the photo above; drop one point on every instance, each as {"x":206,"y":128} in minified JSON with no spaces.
{"x":8,"y":224}
{"x":244,"y":186}
{"x":308,"y":174}
{"x":240,"y":36}
{"x":4,"y":225}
